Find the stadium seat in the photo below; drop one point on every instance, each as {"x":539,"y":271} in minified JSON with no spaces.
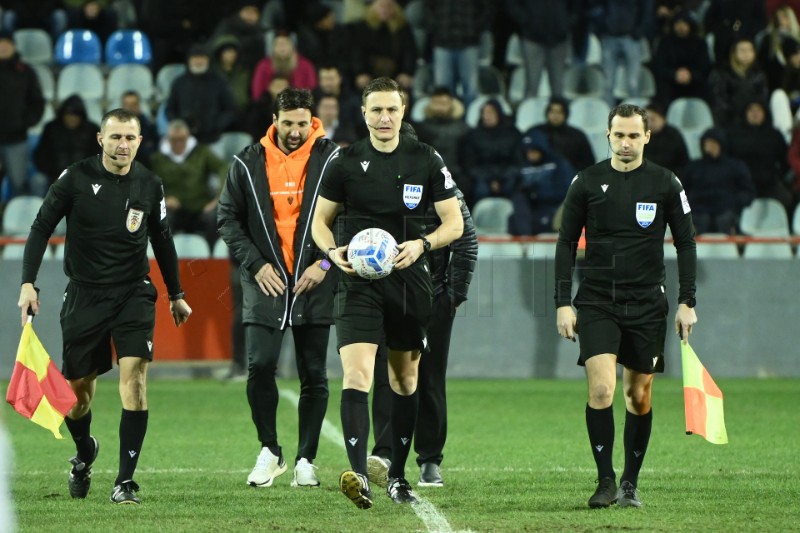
{"x":220,"y":250}
{"x":82,"y":79}
{"x":690,"y":113}
{"x":47,"y":116}
{"x":47,"y":81}
{"x":486,"y":48}
{"x":796,"y":220}
{"x":490,"y":216}
{"x":584,"y":80}
{"x":781,"y":111}
{"x":20,"y":213}
{"x":191,"y":246}
{"x":415,"y":16}
{"x":765,"y":217}
{"x":94,"y":111}
{"x":517,"y":87}
{"x":34,"y":45}
{"x":589,"y":113}
{"x":531,"y":112}
{"x":418,"y":109}
{"x":423,"y":80}
{"x":78,"y":46}
{"x":514,"y":57}
{"x":647,"y":84}
{"x":594,"y":53}
{"x":474,"y":109}
{"x":128,"y":46}
{"x":166,"y":75}
{"x":490,"y":81}
{"x":599,"y":143}
{"x":762,"y":250}
{"x":127,"y":77}
{"x":722,"y":249}
{"x":692,"y":136}
{"x":230,"y":144}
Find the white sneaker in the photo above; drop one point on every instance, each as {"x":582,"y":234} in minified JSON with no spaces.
{"x":378,"y":470}
{"x":267,"y":468}
{"x":304,"y":475}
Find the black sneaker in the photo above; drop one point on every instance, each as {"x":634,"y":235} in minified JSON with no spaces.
{"x":628,"y":495}
{"x":605,"y":495}
{"x":399,"y":490}
{"x":80,"y":477}
{"x":430,"y":476}
{"x":125,"y":493}
{"x":356,"y":487}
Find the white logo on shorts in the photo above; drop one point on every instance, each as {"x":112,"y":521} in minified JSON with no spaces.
{"x":150,"y":345}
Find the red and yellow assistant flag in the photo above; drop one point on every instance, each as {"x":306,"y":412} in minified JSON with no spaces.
{"x":702,"y":399}
{"x":38,"y":390}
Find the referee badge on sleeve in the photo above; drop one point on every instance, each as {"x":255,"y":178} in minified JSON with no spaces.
{"x":134,"y":220}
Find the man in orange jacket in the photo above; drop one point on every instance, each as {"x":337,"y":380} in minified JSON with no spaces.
{"x":284,"y":281}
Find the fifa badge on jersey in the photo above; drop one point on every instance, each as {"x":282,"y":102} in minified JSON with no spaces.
{"x":448,"y":179}
{"x":645,"y":213}
{"x":412,"y":195}
{"x":134,"y":220}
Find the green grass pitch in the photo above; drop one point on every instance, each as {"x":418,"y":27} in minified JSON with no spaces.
{"x":517,"y":459}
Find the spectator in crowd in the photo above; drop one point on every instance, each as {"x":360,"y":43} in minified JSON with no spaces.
{"x":793,"y":157}
{"x":67,"y":138}
{"x":544,"y":27}
{"x":21,"y":106}
{"x":444,"y":128}
{"x":734,"y":85}
{"x":681,"y":62}
{"x":185,"y":167}
{"x":455,"y":28}
{"x":783,"y":30}
{"x":201,"y":98}
{"x":790,"y":82}
{"x":95,"y":15}
{"x":719,"y":187}
{"x":382,"y":44}
{"x":763,"y":149}
{"x":666,"y":10}
{"x":228,"y":64}
{"x":565,"y":140}
{"x":321,"y":39}
{"x":260,"y":111}
{"x":342,"y":133}
{"x":287,"y":62}
{"x":733,"y":20}
{"x":491,"y":154}
{"x":540,"y":187}
{"x":131,"y":101}
{"x":331,"y":82}
{"x":246,"y":28}
{"x":43,"y":14}
{"x":621,"y":26}
{"x":666,"y":147}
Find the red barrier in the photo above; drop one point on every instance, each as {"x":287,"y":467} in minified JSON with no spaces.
{"x":207,"y":334}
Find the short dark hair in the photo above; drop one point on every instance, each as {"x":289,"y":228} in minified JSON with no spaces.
{"x":131,"y":92}
{"x":122,"y":115}
{"x":381,"y":85}
{"x":629,"y":110}
{"x":293,"y":98}
{"x":442,"y":91}
{"x":559,"y":101}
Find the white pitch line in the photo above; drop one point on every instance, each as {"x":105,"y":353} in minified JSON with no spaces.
{"x":435,"y":522}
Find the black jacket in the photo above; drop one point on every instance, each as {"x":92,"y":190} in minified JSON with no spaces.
{"x":23,"y":103}
{"x":545,"y":22}
{"x":452,"y":266}
{"x":246,"y":222}
{"x":109,"y":220}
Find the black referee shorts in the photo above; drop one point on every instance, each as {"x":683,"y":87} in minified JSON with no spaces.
{"x":399,"y":305}
{"x":93,"y":317}
{"x":631,"y":324}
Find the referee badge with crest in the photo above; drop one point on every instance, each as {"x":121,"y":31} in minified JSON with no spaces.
{"x":134,"y":220}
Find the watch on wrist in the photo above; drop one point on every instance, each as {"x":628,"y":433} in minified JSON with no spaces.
{"x":426,"y":244}
{"x":328,"y":253}
{"x":178,"y":296}
{"x":325,"y":265}
{"x":691,"y":302}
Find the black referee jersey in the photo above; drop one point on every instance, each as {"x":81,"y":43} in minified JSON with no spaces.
{"x":109,"y":220}
{"x":391,"y":191}
{"x":625,"y":215}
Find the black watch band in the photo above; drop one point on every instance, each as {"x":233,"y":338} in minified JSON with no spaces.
{"x":179,"y":296}
{"x":328,"y":252}
{"x":690,"y":302}
{"x":426,"y":244}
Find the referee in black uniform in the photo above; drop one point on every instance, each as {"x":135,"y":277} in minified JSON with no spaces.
{"x":386,"y":181}
{"x":625,"y":204}
{"x":112,"y":205}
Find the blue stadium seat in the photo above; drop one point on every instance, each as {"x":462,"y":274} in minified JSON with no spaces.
{"x":78,"y":46}
{"x":128,"y":46}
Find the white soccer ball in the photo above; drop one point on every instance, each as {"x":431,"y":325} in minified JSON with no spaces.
{"x":371,"y":252}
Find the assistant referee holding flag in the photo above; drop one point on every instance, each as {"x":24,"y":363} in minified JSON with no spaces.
{"x":112,"y":205}
{"x":625,"y":203}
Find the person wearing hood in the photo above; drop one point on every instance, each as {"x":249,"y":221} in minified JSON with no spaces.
{"x":681,"y":62}
{"x":566,"y":140}
{"x":67,"y":138}
{"x":21,"y":106}
{"x":540,"y":187}
{"x":284,"y":276}
{"x":490,"y":154}
{"x":185,"y":167}
{"x":719,"y":186}
{"x":763,"y":149}
{"x":201,"y":98}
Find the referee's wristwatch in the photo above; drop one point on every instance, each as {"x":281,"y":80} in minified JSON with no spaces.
{"x":690,"y":302}
{"x":426,"y":244}
{"x":324,"y":265}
